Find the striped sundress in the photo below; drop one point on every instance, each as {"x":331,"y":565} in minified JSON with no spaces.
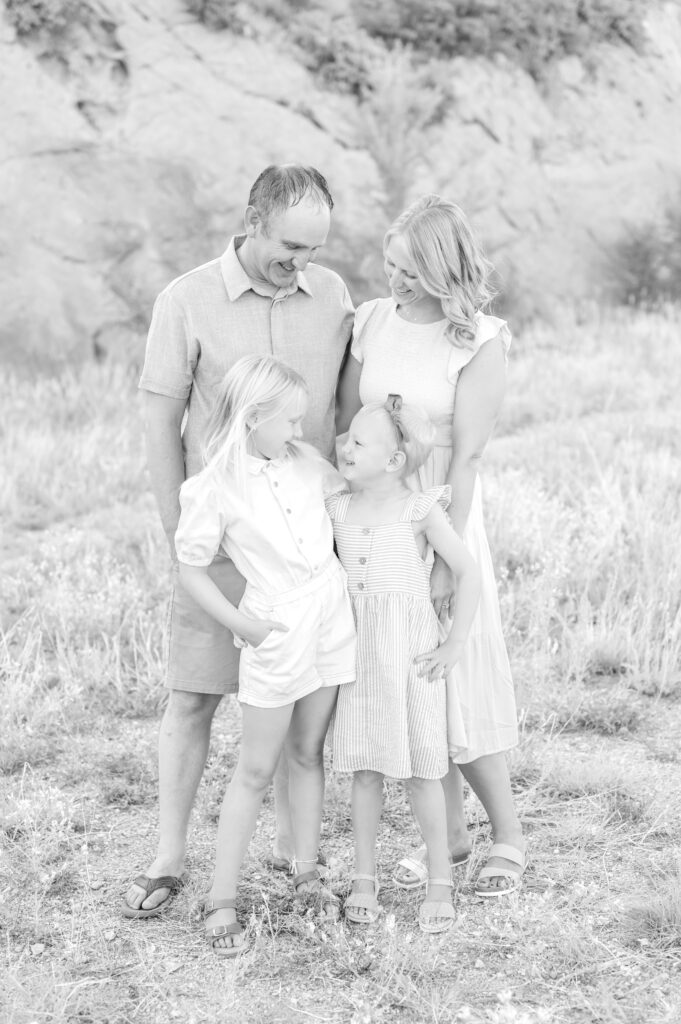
{"x":390,"y":720}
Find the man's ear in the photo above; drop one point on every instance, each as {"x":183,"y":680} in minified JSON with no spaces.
{"x":252,"y":220}
{"x":396,"y":461}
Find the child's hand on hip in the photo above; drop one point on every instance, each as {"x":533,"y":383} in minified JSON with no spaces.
{"x":259,"y":629}
{"x":441,"y":661}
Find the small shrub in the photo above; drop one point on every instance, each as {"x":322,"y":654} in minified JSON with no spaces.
{"x":333,"y":47}
{"x":529,"y":32}
{"x":218,"y":14}
{"x":645,"y":266}
{"x":29,"y":17}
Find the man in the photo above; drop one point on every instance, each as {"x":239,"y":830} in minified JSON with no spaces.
{"x":264,"y":295}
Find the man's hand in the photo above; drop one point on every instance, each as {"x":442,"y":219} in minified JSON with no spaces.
{"x":441,"y":661}
{"x":442,"y":588}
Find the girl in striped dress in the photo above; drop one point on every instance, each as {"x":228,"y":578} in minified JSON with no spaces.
{"x":393,"y":719}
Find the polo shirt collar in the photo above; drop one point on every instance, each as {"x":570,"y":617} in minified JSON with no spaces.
{"x":237,"y":281}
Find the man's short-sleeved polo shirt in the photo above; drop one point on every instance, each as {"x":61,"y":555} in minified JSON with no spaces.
{"x":210,"y":317}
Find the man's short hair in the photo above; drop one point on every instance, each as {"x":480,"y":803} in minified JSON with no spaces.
{"x":281,"y":186}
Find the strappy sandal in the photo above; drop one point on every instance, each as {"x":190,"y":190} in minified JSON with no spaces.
{"x":363,"y":901}
{"x":418,"y":866}
{"x":220,"y":930}
{"x":437,"y":916}
{"x":329,"y":902}
{"x":510,"y":853}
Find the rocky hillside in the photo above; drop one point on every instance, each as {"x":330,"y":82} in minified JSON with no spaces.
{"x":130,"y":138}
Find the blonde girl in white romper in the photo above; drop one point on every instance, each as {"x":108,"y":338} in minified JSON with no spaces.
{"x":392,"y":720}
{"x":431,"y":343}
{"x":260,"y":499}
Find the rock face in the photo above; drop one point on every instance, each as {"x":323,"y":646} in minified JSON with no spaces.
{"x":131,"y":138}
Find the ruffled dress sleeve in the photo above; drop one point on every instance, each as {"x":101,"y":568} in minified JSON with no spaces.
{"x":203,"y":520}
{"x":332,"y":501}
{"x":423,"y":501}
{"x":362,"y":316}
{"x":489,"y":327}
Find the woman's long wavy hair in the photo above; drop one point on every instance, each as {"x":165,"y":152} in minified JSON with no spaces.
{"x":449,"y":261}
{"x":255,"y":387}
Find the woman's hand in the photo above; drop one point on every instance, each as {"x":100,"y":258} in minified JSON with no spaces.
{"x":257,"y":630}
{"x":442,"y":588}
{"x":441,"y":661}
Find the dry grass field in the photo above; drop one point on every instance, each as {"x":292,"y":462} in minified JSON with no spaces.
{"x":583,"y":494}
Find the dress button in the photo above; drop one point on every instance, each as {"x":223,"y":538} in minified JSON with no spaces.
{"x":366,"y":530}
{"x":276,"y":483}
{"x":360,"y":586}
{"x":362,"y":561}
{"x":300,"y":540}
{"x":289,"y":511}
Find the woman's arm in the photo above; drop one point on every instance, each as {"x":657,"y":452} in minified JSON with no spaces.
{"x":347,"y":394}
{"x":479,"y":394}
{"x":200,"y":586}
{"x":451,"y":549}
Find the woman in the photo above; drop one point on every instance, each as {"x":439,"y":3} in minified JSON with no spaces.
{"x":430,"y":343}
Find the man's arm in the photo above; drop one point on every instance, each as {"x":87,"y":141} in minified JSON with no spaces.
{"x":165,"y":459}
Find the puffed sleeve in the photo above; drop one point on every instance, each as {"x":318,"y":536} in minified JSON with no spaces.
{"x":203,"y":520}
{"x":362,"y":315}
{"x":423,"y":501}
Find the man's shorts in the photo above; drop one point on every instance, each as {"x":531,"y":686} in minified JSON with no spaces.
{"x":202,"y":657}
{"x":318,"y":650}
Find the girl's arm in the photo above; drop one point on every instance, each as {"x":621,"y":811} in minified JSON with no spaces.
{"x":451,"y":549}
{"x":479,"y":394}
{"x":347,"y":394}
{"x":200,"y":586}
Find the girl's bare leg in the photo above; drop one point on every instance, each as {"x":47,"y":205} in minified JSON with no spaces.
{"x":262,"y":738}
{"x":305,"y":755}
{"x":367,"y":804}
{"x":428,"y":801}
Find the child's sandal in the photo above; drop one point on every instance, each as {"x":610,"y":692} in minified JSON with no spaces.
{"x":330,"y":903}
{"x":220,"y":930}
{"x":363,"y":901}
{"x":436,"y":917}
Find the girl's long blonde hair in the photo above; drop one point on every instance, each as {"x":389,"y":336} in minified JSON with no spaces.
{"x":449,"y":262}
{"x":256,"y":386}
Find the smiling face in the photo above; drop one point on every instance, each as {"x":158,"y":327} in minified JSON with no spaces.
{"x":369,"y":451}
{"x":400,"y":270}
{"x":272,"y":432}
{"x":275,"y":251}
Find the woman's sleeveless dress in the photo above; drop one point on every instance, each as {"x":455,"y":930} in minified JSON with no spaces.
{"x":390,"y":720}
{"x":418,"y":362}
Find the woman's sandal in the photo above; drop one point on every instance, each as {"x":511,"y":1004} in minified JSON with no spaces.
{"x":418,"y":867}
{"x":510,"y":853}
{"x":437,"y":916}
{"x":363,"y":901}
{"x":330,"y":904}
{"x":220,"y":930}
